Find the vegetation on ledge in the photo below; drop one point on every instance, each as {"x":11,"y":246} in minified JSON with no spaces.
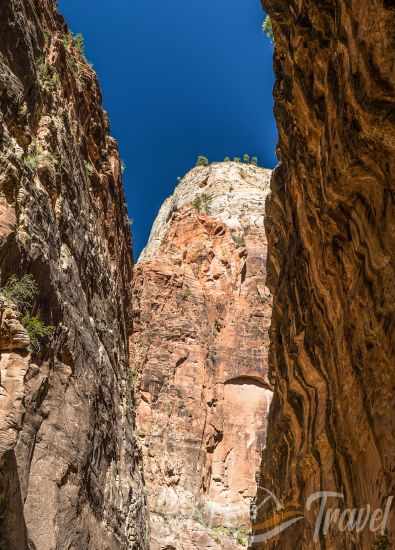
{"x":23,"y":292}
{"x":247,"y":159}
{"x":267,"y":28}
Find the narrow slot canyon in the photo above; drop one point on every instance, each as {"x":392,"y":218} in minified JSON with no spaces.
{"x":234,"y":386}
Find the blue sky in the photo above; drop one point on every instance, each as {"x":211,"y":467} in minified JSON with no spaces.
{"x":179,"y":79}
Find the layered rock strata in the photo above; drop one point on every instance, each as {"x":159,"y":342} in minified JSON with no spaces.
{"x":70,"y":468}
{"x":331,"y":232}
{"x":199,"y":351}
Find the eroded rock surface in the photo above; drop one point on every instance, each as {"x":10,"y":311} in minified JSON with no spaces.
{"x":70,"y":468}
{"x":14,"y":362}
{"x":331,"y":227}
{"x":199,"y":351}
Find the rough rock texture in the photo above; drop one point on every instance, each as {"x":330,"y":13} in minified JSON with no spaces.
{"x":199,"y":349}
{"x":69,"y":465}
{"x":331,"y":230}
{"x":13,"y":367}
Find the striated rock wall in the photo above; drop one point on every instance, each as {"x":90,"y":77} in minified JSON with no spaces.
{"x":70,"y":468}
{"x":331,"y":232}
{"x":199,"y":352}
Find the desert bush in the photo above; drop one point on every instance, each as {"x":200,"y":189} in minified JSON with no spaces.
{"x":202,"y":161}
{"x":202,"y":203}
{"x":79,"y":43}
{"x":382,"y":543}
{"x":238,"y":240}
{"x":21,"y":291}
{"x":268,"y":28}
{"x":47,"y":75}
{"x":31,"y":161}
{"x":89,"y":168}
{"x":37,"y":330}
{"x":35,"y":157}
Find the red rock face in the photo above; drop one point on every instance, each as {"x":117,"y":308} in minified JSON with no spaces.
{"x":199,"y":350}
{"x":70,"y":469}
{"x":331,"y":267}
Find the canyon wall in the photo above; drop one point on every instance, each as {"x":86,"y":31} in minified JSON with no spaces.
{"x":70,"y":468}
{"x":199,"y":351}
{"x":331,"y":268}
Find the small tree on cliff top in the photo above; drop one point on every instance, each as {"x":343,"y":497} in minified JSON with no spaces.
{"x":202,"y":161}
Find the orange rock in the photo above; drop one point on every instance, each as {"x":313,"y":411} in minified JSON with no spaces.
{"x":199,"y":349}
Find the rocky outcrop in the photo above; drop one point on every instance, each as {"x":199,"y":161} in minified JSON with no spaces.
{"x":330,"y":222}
{"x":70,"y":468}
{"x":199,"y":352}
{"x":14,"y":363}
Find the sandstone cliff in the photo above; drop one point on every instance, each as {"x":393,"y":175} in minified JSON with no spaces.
{"x":199,"y":350}
{"x":70,"y":473}
{"x":331,"y":232}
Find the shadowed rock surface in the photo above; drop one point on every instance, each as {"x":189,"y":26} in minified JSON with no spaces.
{"x":331,"y":233}
{"x":199,"y":350}
{"x":70,"y":469}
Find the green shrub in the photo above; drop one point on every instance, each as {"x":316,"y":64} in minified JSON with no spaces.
{"x":219,"y":533}
{"x":186,"y":293}
{"x":48,"y":77}
{"x":35,"y":157}
{"x":238,"y":240}
{"x":202,"y":203}
{"x":254,"y":161}
{"x":382,"y":543}
{"x":246,"y":158}
{"x":31,"y":161}
{"x":268,"y":28}
{"x":37,"y":330}
{"x":198,"y":514}
{"x":227,"y":159}
{"x":79,"y":43}
{"x":239,"y":535}
{"x":21,"y":291}
{"x":89,"y":169}
{"x":236,"y":159}
{"x":47,"y":38}
{"x":67,"y":40}
{"x":242,"y":537}
{"x":202,"y":161}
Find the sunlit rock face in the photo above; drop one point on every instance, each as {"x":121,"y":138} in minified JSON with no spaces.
{"x":331,"y":232}
{"x":70,"y":469}
{"x":14,"y":361}
{"x":199,"y":351}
